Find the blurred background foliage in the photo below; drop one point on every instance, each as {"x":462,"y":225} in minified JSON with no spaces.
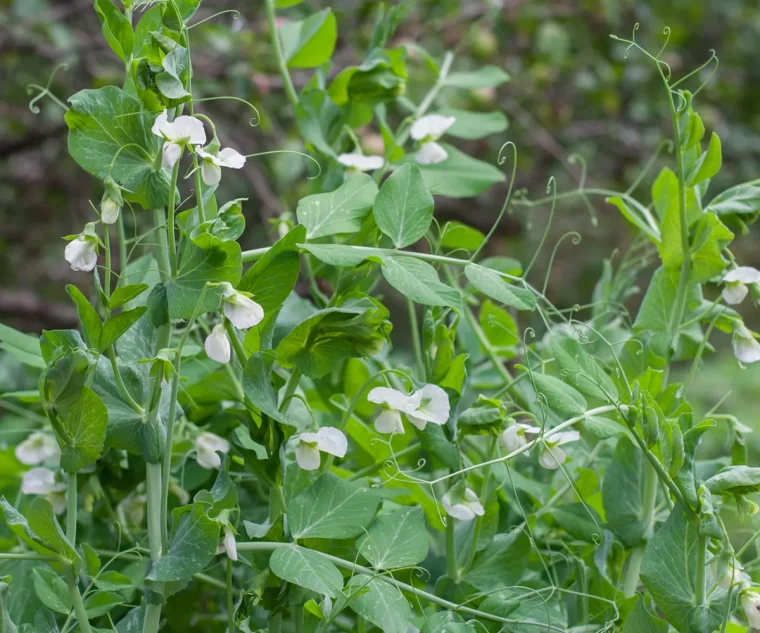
{"x":571,"y":92}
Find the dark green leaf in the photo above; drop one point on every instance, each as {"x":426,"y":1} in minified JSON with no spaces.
{"x":379,"y":602}
{"x":460,"y":175}
{"x":396,"y":540}
{"x":306,"y":569}
{"x":85,"y":426}
{"x":88,"y":317}
{"x":116,"y":29}
{"x":418,"y":281}
{"x":115,"y":326}
{"x":404,"y":207}
{"x":493,"y":285}
{"x":309,"y":43}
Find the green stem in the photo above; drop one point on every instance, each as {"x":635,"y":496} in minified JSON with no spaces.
{"x":290,"y":389}
{"x":484,"y":503}
{"x":235,"y":341}
{"x":230,"y":596}
{"x":631,"y":580}
{"x":120,"y":382}
{"x":701,"y":588}
{"x":170,"y":220}
{"x":26,"y":556}
{"x":76,"y":600}
{"x":153,"y":488}
{"x":162,"y":249}
{"x":71,"y":509}
{"x":122,"y":250}
{"x":416,"y":342}
{"x":282,"y":66}
{"x":270,"y":546}
{"x":107,"y":281}
{"x":452,"y":569}
{"x":166,"y":462}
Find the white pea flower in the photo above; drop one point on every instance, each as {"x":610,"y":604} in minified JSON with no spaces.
{"x":359,"y":162}
{"x":393,"y":403}
{"x":733,"y":574}
{"x":433,"y":407}
{"x":38,"y":481}
{"x":242,"y":311}
{"x":734,"y":283}
{"x":37,"y":448}
{"x":327,"y":440}
{"x":109,"y":210}
{"x":515,"y":437}
{"x":209,"y":446}
{"x":751,"y":605}
{"x":82,"y":252}
{"x":427,"y":130}
{"x":211,"y":167}
{"x":462,"y":504}
{"x":228,"y":545}
{"x":746,"y":347}
{"x":552,"y":456}
{"x":184,"y":130}
{"x":217,"y":345}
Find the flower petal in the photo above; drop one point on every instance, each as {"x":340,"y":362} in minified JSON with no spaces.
{"x":230,"y":545}
{"x":307,"y":456}
{"x":231,"y":158}
{"x":38,"y":481}
{"x":746,"y":349}
{"x":187,"y":129}
{"x":211,"y":172}
{"x":171,"y":154}
{"x":431,"y":126}
{"x":332,"y":440}
{"x":551,"y":457}
{"x":81,"y":255}
{"x":217,"y":345}
{"x":160,"y":124}
{"x":361,"y":162}
{"x":744,"y":274}
{"x":734,"y":292}
{"x":392,"y":398}
{"x":434,"y":404}
{"x":431,"y":153}
{"x":389,"y":421}
{"x":242,"y":311}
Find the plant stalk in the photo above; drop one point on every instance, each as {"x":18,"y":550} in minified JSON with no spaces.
{"x":71,"y":509}
{"x":76,"y":600}
{"x":282,"y":65}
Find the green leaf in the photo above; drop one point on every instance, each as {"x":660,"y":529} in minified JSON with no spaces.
{"x":117,"y":325}
{"x":738,"y":206}
{"x":396,"y":540}
{"x":307,"y":569}
{"x":20,"y":527}
{"x":460,"y":175}
{"x":456,"y":235}
{"x":404,"y":207}
{"x":116,"y":29}
{"x":446,"y":622}
{"x":340,"y":211}
{"x":669,"y":572}
{"x":358,"y":327}
{"x":665,"y":194}
{"x":92,"y":562}
{"x":560,"y":397}
{"x":483,"y":77}
{"x":203,"y":259}
{"x":272,"y":278}
{"x":635,"y":213}
{"x":85,"y":426}
{"x":257,"y":384}
{"x":332,"y":508}
{"x":309,"y":43}
{"x":418,"y":281}
{"x":335,"y":254}
{"x":581,"y":370}
{"x":474,"y":125}
{"x":735,"y":480}
{"x":112,"y":581}
{"x":44,"y":525}
{"x":379,"y":602}
{"x":493,"y":285}
{"x":192,"y":547}
{"x":88,"y":317}
{"x":23,"y":347}
{"x":708,"y":164}
{"x":641,"y":621}
{"x":52,"y":590}
{"x":502,"y":563}
{"x":623,"y":494}
{"x":101,"y":602}
{"x":499,"y":328}
{"x":124,"y":294}
{"x":110,"y":127}
{"x":711,"y":236}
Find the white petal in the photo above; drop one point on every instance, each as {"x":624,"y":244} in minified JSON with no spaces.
{"x":361,"y":162}
{"x":744,"y":274}
{"x":230,"y":545}
{"x":457,"y":510}
{"x":38,"y":481}
{"x":80,"y":253}
{"x":551,"y":457}
{"x":432,"y":125}
{"x":392,"y":398}
{"x":307,"y":456}
{"x":211,"y":442}
{"x":472,"y":501}
{"x":171,"y":154}
{"x":389,"y":421}
{"x":58,"y":501}
{"x":187,"y":129}
{"x":231,"y":158}
{"x":751,"y":606}
{"x":211,"y":173}
{"x":160,"y":124}
{"x":242,"y":311}
{"x":37,"y":448}
{"x":208,"y":460}
{"x":734,"y":292}
{"x":563,"y":437}
{"x":746,"y":349}
{"x":420,"y":423}
{"x":513,"y":439}
{"x":109,"y":211}
{"x":332,"y":440}
{"x":431,"y":153}
{"x":434,"y":405}
{"x":218,"y":345}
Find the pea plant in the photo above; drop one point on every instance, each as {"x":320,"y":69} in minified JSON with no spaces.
{"x":230,"y":455}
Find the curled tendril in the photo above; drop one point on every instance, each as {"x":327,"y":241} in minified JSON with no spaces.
{"x":44,"y":91}
{"x":501,"y":159}
{"x":551,"y":187}
{"x":216,"y":15}
{"x":576,"y":239}
{"x":578,"y":158}
{"x":292,"y":151}
{"x":253,"y":122}
{"x":666,"y":33}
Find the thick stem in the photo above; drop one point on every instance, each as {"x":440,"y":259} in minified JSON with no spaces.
{"x":122,"y":250}
{"x":631,"y":580}
{"x":282,"y":66}
{"x":162,"y":249}
{"x":76,"y":600}
{"x":452,"y":569}
{"x":153,"y":486}
{"x":170,"y":221}
{"x":290,"y":389}
{"x":230,"y":598}
{"x":71,"y":509}
{"x":166,"y":462}
{"x":107,"y":281}
{"x":120,"y":382}
{"x":416,"y":342}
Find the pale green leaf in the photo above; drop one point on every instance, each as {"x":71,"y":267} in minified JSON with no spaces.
{"x":379,"y":602}
{"x":396,"y":540}
{"x":418,"y":281}
{"x":404,"y":207}
{"x":307,"y":569}
{"x":483,"y":77}
{"x":493,"y":285}
{"x":474,"y":125}
{"x":460,"y":175}
{"x":309,"y":43}
{"x":85,"y":426}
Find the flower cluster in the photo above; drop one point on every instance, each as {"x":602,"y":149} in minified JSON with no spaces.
{"x":242,"y":311}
